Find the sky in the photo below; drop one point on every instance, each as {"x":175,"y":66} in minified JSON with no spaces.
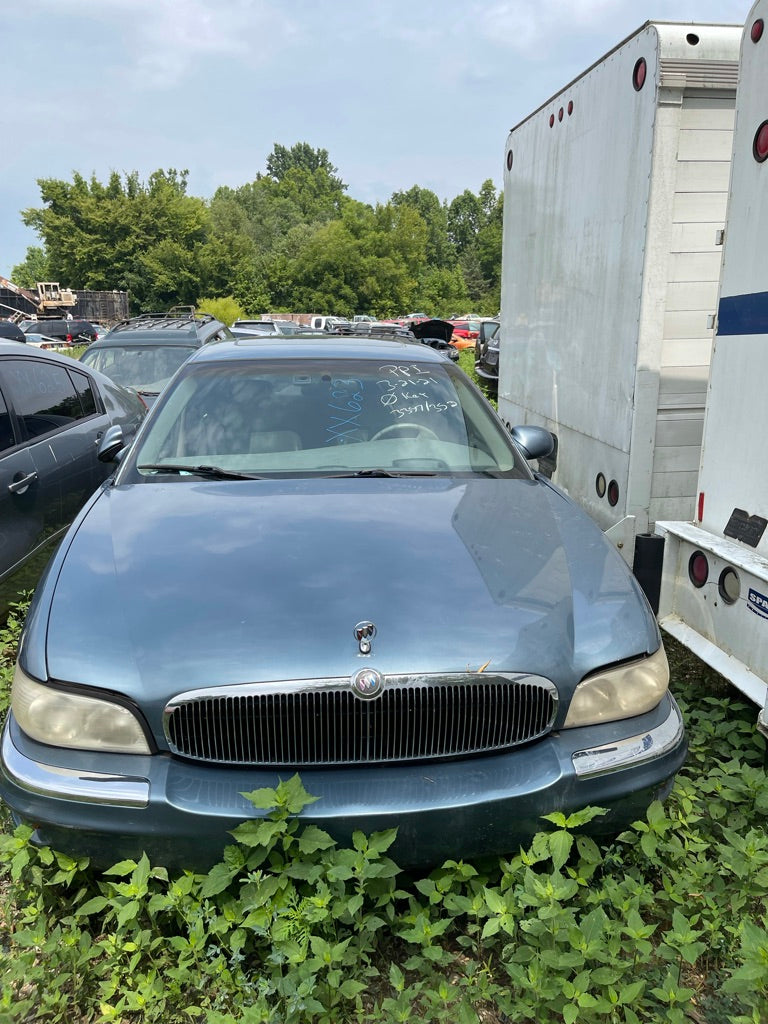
{"x":399,"y":92}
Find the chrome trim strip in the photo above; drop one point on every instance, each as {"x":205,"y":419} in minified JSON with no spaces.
{"x":70,"y":784}
{"x":632,"y":751}
{"x":342,"y":683}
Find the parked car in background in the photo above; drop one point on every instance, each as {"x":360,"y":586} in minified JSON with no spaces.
{"x":11,"y":331}
{"x":289,"y":327}
{"x":266,"y":580}
{"x":487,"y":353}
{"x":43,"y":341}
{"x":144,"y":352}
{"x":70,"y":332}
{"x":328,"y":323}
{"x":465,"y":333}
{"x":256,"y":326}
{"x":437,"y":334}
{"x":52,"y":413}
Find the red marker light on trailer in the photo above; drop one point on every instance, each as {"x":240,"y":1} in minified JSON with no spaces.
{"x":638,"y":74}
{"x":700,"y":507}
{"x":756,"y":32}
{"x":760,"y":145}
{"x":698,"y":569}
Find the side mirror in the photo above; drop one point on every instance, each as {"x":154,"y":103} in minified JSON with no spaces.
{"x":487,"y":327}
{"x":112,"y":444}
{"x":533,"y":442}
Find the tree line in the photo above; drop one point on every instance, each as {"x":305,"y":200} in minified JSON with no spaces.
{"x":290,"y":240}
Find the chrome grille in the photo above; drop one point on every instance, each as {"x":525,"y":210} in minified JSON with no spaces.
{"x":321,"y":722}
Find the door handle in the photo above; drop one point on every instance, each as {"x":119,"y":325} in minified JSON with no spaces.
{"x":20,"y":485}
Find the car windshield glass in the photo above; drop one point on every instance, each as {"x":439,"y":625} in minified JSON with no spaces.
{"x":142,"y":367}
{"x":335,"y":417}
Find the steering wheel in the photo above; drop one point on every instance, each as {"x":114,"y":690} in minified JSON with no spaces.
{"x":398,"y":428}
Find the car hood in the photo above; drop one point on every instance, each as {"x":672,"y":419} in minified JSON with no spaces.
{"x":164,"y":587}
{"x":439,"y":329}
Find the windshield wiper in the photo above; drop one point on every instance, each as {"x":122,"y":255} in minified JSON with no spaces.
{"x":387,"y":472}
{"x":213,"y":472}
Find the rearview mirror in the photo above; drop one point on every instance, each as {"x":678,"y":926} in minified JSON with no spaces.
{"x":533,"y":442}
{"x":111,"y":444}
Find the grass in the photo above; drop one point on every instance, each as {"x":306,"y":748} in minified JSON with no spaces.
{"x":667,"y":922}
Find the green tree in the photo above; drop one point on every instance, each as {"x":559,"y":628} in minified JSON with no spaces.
{"x":475,"y":227}
{"x":127,"y":234}
{"x":465,"y":217}
{"x":302,"y":157}
{"x":227,"y":309}
{"x":32,"y":269}
{"x":439,"y":249}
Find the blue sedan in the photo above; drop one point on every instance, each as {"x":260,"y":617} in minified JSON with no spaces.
{"x":271,"y":577}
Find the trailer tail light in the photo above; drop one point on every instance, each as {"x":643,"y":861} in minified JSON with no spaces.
{"x":756,"y":32}
{"x":639,"y":74}
{"x":698,"y":569}
{"x":600,"y":485}
{"x":760,"y":145}
{"x":70,"y":339}
{"x":613,"y":493}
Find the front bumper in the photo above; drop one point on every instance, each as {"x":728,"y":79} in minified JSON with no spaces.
{"x":112,"y":806}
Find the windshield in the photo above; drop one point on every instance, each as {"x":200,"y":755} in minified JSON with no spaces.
{"x":333,"y":417}
{"x":141,"y":367}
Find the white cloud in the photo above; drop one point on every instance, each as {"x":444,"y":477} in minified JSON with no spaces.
{"x":534,"y":27}
{"x":163,"y":40}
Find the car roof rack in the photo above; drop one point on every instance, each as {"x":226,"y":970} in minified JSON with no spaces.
{"x":179,"y":317}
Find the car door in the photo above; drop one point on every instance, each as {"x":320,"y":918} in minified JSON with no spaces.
{"x":61,"y":420}
{"x":30,"y":505}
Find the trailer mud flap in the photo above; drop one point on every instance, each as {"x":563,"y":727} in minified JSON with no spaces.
{"x":647,"y":565}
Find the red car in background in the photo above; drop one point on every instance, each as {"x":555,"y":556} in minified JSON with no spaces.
{"x":465,"y":333}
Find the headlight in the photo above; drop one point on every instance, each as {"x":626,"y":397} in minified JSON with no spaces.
{"x":621,"y":692}
{"x":65,"y":719}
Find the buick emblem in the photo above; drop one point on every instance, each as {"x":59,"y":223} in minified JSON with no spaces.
{"x":364,"y":634}
{"x":367,"y":684}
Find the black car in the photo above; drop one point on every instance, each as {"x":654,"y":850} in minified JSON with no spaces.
{"x":436,"y":334}
{"x":71,"y":332}
{"x":487,"y":354}
{"x":52,"y":413}
{"x":11,"y":331}
{"x":144,"y":352}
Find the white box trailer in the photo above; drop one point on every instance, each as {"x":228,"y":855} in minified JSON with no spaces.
{"x":714,"y":592}
{"x":614,"y":192}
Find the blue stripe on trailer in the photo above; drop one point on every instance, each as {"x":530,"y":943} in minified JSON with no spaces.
{"x":743,"y":314}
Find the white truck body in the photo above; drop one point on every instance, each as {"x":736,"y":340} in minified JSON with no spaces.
{"x":718,"y":606}
{"x":614,"y":191}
